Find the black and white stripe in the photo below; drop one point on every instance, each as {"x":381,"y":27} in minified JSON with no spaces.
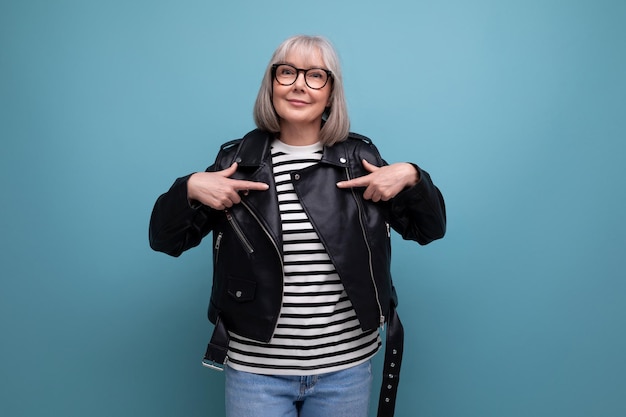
{"x":317,"y":331}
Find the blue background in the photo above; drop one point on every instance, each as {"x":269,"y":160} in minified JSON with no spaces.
{"x":516,"y":108}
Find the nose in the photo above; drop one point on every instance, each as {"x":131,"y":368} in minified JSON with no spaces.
{"x":300,"y":81}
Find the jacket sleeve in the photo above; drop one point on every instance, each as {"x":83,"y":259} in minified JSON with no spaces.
{"x":177,"y":225}
{"x":418,"y":213}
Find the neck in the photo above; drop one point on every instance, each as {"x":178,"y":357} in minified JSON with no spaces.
{"x":300,"y":135}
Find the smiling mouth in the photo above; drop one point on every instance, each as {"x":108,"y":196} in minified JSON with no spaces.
{"x":298,"y":102}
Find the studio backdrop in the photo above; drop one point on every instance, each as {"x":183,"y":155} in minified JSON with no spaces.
{"x":516,"y":108}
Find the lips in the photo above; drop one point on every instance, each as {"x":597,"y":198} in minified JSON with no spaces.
{"x":297,"y":102}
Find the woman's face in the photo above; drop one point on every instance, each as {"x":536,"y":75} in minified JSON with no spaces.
{"x":298,"y":104}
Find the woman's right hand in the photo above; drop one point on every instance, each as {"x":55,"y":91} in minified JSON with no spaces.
{"x":217,"y":190}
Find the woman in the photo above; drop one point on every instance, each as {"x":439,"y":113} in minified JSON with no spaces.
{"x":300,"y":211}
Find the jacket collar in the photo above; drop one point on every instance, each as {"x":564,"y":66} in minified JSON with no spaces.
{"x":255,"y":148}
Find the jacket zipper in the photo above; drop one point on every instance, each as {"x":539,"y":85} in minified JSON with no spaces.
{"x":218,"y":242}
{"x":369,"y":253}
{"x":278,"y":253}
{"x":242,"y":237}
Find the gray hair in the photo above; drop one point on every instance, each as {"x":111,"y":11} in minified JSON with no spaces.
{"x":337,"y":123}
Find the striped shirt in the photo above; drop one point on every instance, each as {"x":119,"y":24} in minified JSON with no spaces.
{"x":317,"y":330}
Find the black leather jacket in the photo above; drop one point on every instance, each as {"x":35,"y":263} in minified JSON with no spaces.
{"x":247,"y":240}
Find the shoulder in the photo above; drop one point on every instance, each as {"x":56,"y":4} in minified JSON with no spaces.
{"x":363,"y":147}
{"x":235,"y":143}
{"x":230,"y":145}
{"x":247,"y":151}
{"x":357,"y":141}
{"x":359,"y":138}
{"x":227,"y":151}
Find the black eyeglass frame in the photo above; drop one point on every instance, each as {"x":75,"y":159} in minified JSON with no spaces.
{"x":329,"y":73}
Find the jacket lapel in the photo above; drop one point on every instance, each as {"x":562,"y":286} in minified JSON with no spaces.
{"x":254,"y":160}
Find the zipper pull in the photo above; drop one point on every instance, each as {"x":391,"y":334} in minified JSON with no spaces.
{"x":382,"y":323}
{"x":388,"y":229}
{"x":218,"y":240}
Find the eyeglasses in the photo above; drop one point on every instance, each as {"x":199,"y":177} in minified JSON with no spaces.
{"x":315,"y":78}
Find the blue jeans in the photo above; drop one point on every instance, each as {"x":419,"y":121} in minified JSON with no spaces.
{"x":343,"y":393}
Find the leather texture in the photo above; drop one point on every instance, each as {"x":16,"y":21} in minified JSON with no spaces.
{"x":247,"y":274}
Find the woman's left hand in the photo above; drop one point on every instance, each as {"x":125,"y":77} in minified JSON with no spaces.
{"x":383,"y":183}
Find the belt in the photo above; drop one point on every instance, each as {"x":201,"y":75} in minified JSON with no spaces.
{"x":215,"y":358}
{"x":394,"y":346}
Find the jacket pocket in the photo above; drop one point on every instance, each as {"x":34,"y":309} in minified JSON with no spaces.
{"x":241,"y":290}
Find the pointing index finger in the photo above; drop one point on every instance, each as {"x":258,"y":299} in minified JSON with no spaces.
{"x":355,"y":182}
{"x":250,"y":185}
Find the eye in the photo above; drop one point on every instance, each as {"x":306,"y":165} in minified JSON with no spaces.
{"x":317,"y":74}
{"x":285,"y":70}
